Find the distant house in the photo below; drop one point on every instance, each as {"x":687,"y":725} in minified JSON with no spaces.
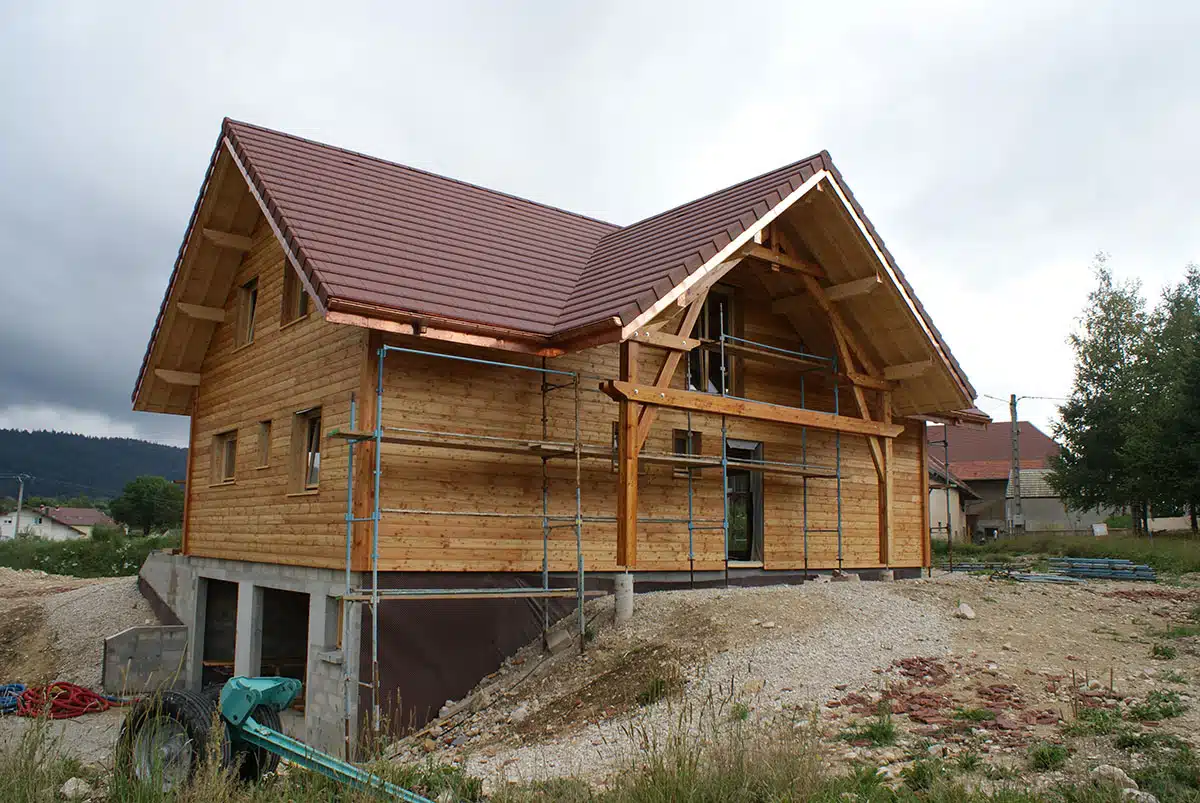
{"x":947,"y":492}
{"x":54,"y":524}
{"x":982,"y":458}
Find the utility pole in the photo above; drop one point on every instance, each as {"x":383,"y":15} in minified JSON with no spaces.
{"x":20,"y":478}
{"x":1017,"y":519}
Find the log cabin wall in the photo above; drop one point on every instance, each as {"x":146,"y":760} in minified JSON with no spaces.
{"x":261,"y":515}
{"x":438,"y":394}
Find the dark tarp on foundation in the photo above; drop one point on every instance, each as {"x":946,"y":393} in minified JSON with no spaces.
{"x":431,"y":651}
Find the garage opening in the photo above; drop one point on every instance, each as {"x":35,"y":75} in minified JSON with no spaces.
{"x":285,"y":634}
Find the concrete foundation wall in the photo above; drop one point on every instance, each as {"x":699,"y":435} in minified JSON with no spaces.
{"x":181,"y":582}
{"x":145,"y":659}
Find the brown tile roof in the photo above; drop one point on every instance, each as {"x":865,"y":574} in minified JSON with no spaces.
{"x":383,"y":234}
{"x":77,"y":516}
{"x":986,"y":453}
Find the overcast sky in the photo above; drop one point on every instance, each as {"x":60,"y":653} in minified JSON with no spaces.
{"x":995,"y":149}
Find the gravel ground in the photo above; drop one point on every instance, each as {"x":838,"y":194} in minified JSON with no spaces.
{"x":80,"y":619}
{"x":778,"y":651}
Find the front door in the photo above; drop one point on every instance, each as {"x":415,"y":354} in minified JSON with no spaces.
{"x":744,"y":493}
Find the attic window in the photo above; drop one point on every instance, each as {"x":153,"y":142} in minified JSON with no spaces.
{"x":685,"y":442}
{"x":718,"y":316}
{"x":247,"y":304}
{"x":295,"y":297}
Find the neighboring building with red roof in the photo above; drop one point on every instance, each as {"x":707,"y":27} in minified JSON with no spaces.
{"x":54,"y":523}
{"x":982,"y":457}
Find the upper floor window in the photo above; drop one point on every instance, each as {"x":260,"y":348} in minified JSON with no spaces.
{"x":295,"y":297}
{"x":247,"y":303}
{"x":705,"y":368}
{"x":685,"y":442}
{"x":224,"y":457}
{"x":306,"y":445}
{"x":264,"y":444}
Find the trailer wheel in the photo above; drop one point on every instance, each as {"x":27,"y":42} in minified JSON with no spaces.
{"x":253,"y":763}
{"x":165,"y":738}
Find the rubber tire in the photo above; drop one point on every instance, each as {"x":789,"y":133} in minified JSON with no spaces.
{"x":194,"y":712}
{"x":253,"y":763}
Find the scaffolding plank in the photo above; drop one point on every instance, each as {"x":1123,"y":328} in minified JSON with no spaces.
{"x":766,"y":354}
{"x":410,"y":595}
{"x":478,"y":443}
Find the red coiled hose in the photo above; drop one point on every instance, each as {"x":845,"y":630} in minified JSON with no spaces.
{"x":61,"y":700}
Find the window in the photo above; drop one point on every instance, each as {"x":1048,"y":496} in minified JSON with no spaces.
{"x":685,"y":442}
{"x":306,"y":446}
{"x":224,"y":457}
{"x":264,"y":444}
{"x":704,"y":363}
{"x":745,"y":493}
{"x":295,"y":297}
{"x":247,"y":302}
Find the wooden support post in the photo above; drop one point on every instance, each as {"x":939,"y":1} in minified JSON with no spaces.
{"x":627,"y":462}
{"x":886,"y":487}
{"x":927,"y":534}
{"x":364,"y":455}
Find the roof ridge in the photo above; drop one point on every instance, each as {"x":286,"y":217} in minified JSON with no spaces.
{"x":230,"y":121}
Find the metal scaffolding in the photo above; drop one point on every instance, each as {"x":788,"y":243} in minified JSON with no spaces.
{"x":547,"y":449}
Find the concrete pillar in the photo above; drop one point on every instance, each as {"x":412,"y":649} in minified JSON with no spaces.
{"x":623,"y":589}
{"x":247,"y":650}
{"x":195,"y":620}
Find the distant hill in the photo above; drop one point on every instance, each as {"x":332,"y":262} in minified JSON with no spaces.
{"x":67,"y":465}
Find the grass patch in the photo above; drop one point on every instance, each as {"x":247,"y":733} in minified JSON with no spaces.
{"x":974,"y":714}
{"x":1181,"y":631}
{"x":654,"y":691}
{"x":1146,"y":740}
{"x":114,"y":556}
{"x":1045,"y":756}
{"x":968,"y":761}
{"x":1158,"y":705}
{"x":923,"y":774}
{"x":1173,"y":776}
{"x":879,"y":730}
{"x":1172,"y":553}
{"x":739,"y":712}
{"x":1163,"y":652}
{"x":1094,"y":722}
{"x":1171,"y":676}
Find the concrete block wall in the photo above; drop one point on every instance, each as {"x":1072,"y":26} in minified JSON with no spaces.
{"x":145,"y":659}
{"x":332,"y":667}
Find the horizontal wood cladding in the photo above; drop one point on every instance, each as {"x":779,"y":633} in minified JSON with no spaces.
{"x":307,"y":363}
{"x":429,"y":393}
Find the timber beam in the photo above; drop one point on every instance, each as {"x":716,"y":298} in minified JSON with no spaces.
{"x":200,"y":312}
{"x":781,"y":260}
{"x":723,"y":405}
{"x":858,"y":287}
{"x":227,"y":239}
{"x":663,"y":340}
{"x":628,"y":446}
{"x":189,"y":378}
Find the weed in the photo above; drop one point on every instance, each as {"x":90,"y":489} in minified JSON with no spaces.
{"x":974,"y":714}
{"x":1145,"y":740}
{"x":998,"y":772}
{"x":879,"y":730}
{"x":1045,"y":756}
{"x":921,"y":775}
{"x":1163,"y":652}
{"x":1093,"y":722}
{"x":1158,"y":705}
{"x":114,"y":556}
{"x":1194,"y":615}
{"x":1171,"y":676}
{"x":654,"y":691}
{"x":1181,"y":631}
{"x":1175,"y":776}
{"x":968,"y":761}
{"x":739,"y":712}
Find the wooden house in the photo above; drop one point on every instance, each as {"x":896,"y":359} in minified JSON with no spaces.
{"x":423,"y":386}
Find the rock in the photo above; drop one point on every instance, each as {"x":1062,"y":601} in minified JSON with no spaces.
{"x":519,"y":714}
{"x":936,"y":750}
{"x":768,"y":625}
{"x":890,"y":772}
{"x":1107,"y":773}
{"x":436,"y":731}
{"x":754,"y":686}
{"x":429,"y":745}
{"x":1007,"y":647}
{"x":1138,"y":796}
{"x":75,"y":789}
{"x":965,"y":611}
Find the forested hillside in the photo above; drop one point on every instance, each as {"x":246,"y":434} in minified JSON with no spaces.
{"x":65,"y":465}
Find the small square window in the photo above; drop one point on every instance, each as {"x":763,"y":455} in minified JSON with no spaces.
{"x":224,"y":457}
{"x":295,"y":297}
{"x":306,"y":447}
{"x":685,"y":442}
{"x":264,"y":444}
{"x":246,"y":308}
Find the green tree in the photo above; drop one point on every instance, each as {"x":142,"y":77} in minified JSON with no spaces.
{"x":1092,"y":469}
{"x":149,"y":503}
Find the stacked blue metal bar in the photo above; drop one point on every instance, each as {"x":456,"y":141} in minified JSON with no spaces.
{"x":1103,"y":568}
